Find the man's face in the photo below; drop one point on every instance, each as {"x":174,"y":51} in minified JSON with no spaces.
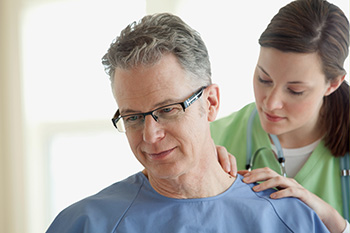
{"x":166,"y":150}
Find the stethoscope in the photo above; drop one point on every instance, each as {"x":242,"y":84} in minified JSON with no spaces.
{"x":344,"y":162}
{"x":251,"y":157}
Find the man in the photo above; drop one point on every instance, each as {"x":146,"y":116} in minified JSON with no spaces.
{"x":161,"y":80}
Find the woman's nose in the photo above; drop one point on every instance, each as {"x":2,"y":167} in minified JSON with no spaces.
{"x":273,"y":100}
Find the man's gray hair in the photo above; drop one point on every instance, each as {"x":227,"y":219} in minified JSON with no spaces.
{"x":145,"y":42}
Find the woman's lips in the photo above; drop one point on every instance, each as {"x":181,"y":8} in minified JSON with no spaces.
{"x":273,"y":118}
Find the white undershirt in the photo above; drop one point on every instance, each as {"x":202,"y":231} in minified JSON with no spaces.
{"x":347,"y":228}
{"x":297,"y":157}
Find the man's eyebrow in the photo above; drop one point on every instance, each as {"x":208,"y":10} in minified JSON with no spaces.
{"x":128,"y":111}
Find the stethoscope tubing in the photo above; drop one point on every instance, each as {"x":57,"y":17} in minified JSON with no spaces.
{"x":250,"y":156}
{"x":344,"y":163}
{"x":345,"y":183}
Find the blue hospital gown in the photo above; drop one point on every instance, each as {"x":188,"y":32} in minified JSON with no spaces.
{"x":133,"y":206}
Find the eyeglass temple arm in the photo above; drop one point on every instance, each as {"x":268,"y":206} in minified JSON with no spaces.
{"x":193,"y":98}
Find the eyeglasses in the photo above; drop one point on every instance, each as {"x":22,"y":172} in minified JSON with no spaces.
{"x":162,"y":115}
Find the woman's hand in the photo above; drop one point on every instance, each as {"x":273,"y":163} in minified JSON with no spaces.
{"x":288,"y":187}
{"x":227,"y":161}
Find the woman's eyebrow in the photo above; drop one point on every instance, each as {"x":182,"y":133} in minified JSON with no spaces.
{"x":292,"y":82}
{"x":264,"y":71}
{"x":297,"y":82}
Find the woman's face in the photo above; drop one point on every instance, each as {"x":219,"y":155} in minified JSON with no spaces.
{"x":289,"y":90}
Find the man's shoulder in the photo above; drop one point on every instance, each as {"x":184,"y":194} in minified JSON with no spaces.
{"x":294,"y":213}
{"x":116,"y":194}
{"x":122,"y":189}
{"x":101,"y":210}
{"x":290,"y":212}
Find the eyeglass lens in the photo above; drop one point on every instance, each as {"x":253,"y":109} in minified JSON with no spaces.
{"x":161,"y":115}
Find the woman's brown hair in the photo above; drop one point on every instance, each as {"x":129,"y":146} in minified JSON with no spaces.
{"x":309,"y":26}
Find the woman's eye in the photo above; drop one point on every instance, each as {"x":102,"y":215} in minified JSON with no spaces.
{"x":263,"y":81}
{"x":296,"y":92}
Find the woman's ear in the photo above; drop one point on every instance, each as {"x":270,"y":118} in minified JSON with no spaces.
{"x":213,"y":101}
{"x":333,"y":85}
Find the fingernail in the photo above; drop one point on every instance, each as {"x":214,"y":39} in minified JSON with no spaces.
{"x":228,"y":168}
{"x":273,"y":195}
{"x":246,"y":179}
{"x":247,"y":174}
{"x":256,"y":188}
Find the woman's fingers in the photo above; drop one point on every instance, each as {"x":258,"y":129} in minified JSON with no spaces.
{"x":289,"y":192}
{"x":260,"y":174}
{"x":271,"y":179}
{"x":279,"y":182}
{"x":228,"y":162}
{"x":233,"y":162}
{"x":243,"y":172}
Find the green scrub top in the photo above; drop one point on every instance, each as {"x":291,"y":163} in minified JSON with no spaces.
{"x":320,"y":174}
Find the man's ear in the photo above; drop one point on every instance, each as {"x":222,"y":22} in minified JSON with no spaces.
{"x":213,"y":101}
{"x":333,"y":85}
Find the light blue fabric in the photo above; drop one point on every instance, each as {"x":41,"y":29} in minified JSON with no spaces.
{"x":133,"y":206}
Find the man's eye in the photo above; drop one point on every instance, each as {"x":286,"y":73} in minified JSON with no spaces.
{"x":167,"y":110}
{"x":170,"y":110}
{"x":132,"y":118}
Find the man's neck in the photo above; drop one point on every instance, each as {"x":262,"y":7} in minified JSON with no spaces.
{"x":197,"y":184}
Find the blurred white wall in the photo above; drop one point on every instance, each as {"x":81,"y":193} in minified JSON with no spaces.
{"x":57,"y":144}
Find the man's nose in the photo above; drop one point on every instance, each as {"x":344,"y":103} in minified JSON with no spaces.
{"x":152,"y":130}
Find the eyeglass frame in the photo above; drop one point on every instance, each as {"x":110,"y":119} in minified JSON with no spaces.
{"x":188,"y":102}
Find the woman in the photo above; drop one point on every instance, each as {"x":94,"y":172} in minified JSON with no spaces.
{"x":300,"y":97}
